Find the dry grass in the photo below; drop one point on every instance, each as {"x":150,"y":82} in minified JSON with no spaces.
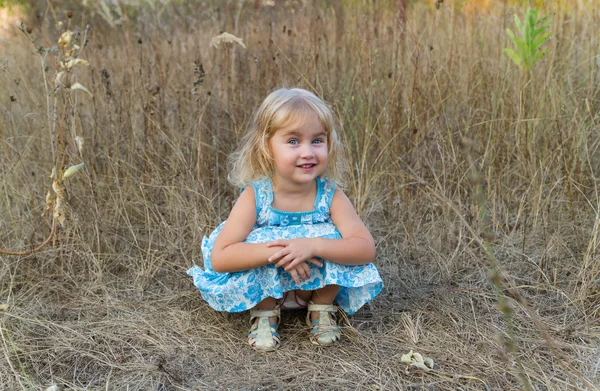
{"x":463,"y":169}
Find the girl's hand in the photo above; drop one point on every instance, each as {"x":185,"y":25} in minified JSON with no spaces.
{"x":293,"y":253}
{"x":300,"y":273}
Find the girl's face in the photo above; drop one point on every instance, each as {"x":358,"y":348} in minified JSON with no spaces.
{"x":299,"y":152}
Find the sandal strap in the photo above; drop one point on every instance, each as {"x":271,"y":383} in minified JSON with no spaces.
{"x":264,"y":314}
{"x":263,"y":335}
{"x":317,"y":323}
{"x":253,"y":334}
{"x":273,"y":327}
{"x":322,"y":307}
{"x":327,"y":315}
{"x":324,"y":331}
{"x":320,"y":329}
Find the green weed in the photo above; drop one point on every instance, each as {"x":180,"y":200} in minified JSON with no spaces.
{"x":532,"y":35}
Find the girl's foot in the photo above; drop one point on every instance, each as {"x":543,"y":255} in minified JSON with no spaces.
{"x":263,"y":334}
{"x":321,"y":319}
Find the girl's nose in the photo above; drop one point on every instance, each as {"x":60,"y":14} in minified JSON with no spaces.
{"x":307,"y":151}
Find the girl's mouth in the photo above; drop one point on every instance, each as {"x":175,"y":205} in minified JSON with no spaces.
{"x":307,"y":166}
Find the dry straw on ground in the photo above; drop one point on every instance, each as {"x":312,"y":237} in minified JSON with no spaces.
{"x":478,"y":182}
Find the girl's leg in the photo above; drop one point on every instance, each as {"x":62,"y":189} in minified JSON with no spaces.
{"x":321,"y":316}
{"x":325,"y":295}
{"x":263,"y":333}
{"x":305,"y":296}
{"x":267,"y":304}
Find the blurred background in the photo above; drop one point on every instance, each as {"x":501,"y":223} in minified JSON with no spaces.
{"x":476,"y":174}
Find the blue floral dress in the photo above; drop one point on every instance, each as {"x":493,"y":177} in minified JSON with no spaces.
{"x":240,"y":291}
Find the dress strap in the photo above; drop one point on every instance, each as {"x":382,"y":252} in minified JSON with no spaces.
{"x":262,"y":195}
{"x":326,"y":194}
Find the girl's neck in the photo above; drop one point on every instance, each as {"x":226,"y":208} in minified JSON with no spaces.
{"x":291,"y":198}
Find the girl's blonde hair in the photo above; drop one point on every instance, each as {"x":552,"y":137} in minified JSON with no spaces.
{"x":253,"y":160}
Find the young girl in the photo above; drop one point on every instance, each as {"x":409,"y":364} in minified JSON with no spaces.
{"x":292,"y":239}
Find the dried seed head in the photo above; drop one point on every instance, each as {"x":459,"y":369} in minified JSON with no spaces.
{"x":77,"y":61}
{"x":80,"y":142}
{"x":407,"y":358}
{"x":226,"y":37}
{"x":415,"y":359}
{"x":418,"y":357}
{"x":29,"y":29}
{"x":49,"y":200}
{"x":59,"y":206}
{"x":59,"y":25}
{"x":72,"y":170}
{"x":69,"y":14}
{"x":79,"y":86}
{"x":65,"y":38}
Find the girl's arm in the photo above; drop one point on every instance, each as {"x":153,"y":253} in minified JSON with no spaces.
{"x":230,"y":253}
{"x":356,"y":247}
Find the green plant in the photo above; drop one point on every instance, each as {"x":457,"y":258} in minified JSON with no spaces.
{"x":532,"y":34}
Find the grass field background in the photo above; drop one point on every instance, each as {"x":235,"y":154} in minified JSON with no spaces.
{"x":478,"y":181}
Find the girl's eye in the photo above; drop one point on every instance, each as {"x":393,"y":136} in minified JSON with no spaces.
{"x":293,"y":141}
{"x":318,"y":141}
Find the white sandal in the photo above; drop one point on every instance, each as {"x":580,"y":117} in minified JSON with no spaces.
{"x":263,"y":335}
{"x":324,"y":331}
